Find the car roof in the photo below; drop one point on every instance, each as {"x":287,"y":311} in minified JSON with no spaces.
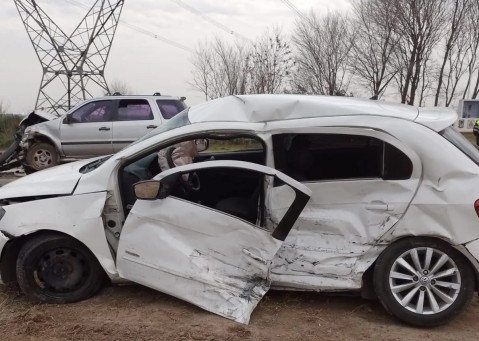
{"x":267,"y":108}
{"x":154,"y":97}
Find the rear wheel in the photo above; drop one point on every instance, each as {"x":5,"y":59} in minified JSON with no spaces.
{"x":58,"y":269}
{"x":423,"y":282}
{"x":41,"y":156}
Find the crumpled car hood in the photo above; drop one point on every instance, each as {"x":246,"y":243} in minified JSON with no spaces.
{"x":60,"y":180}
{"x":42,"y":115}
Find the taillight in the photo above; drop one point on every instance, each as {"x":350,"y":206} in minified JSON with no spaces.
{"x":476,"y":207}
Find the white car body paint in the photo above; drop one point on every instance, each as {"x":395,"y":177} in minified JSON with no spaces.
{"x":59,"y":180}
{"x":209,"y":258}
{"x":334,"y":241}
{"x":79,"y":216}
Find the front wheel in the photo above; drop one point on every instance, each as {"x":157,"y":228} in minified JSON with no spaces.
{"x":423,"y":282}
{"x":58,"y":269}
{"x":41,"y":156}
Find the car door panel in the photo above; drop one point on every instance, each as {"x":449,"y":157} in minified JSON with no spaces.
{"x":87,"y":131}
{"x":341,"y":224}
{"x":134,"y":119}
{"x":86,"y":139}
{"x":336,"y":227}
{"x":212,"y":259}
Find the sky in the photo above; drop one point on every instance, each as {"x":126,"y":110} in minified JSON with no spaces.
{"x":146,"y":65}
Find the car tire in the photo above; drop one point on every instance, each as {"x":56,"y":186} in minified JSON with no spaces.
{"x":42,"y":155}
{"x":412,"y":285}
{"x":58,"y":269}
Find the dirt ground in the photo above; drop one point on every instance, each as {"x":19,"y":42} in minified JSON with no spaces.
{"x":138,"y":313}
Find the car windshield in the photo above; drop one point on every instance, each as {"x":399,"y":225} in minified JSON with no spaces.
{"x":94,"y":165}
{"x":178,"y":121}
{"x":462,"y":143}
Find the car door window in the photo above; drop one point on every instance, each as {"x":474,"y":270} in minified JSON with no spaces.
{"x":134,"y":110}
{"x":316,"y":157}
{"x":361,"y":184}
{"x":99,"y":111}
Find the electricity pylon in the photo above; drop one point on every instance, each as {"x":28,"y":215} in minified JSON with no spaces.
{"x":73,"y":66}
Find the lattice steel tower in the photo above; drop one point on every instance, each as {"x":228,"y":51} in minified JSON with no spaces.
{"x":73,"y":66}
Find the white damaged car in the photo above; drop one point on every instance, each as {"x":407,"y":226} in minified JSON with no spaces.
{"x":292,"y":192}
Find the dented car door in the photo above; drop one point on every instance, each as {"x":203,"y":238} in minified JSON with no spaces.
{"x":212,"y":259}
{"x":362,"y":183}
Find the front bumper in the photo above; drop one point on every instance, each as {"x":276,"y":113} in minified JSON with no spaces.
{"x":3,"y":241}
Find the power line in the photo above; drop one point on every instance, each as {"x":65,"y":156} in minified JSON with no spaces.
{"x":294,"y":9}
{"x":208,"y":19}
{"x":140,"y":30}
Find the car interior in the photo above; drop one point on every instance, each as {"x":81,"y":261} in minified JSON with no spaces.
{"x":233,"y":191}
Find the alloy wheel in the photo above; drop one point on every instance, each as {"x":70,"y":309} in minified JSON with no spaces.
{"x":425,"y":280}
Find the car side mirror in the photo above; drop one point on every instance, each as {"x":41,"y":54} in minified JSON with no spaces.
{"x":202,"y":145}
{"x":67,"y":119}
{"x":147,"y":190}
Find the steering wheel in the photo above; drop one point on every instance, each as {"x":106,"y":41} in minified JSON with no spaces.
{"x":193,"y":183}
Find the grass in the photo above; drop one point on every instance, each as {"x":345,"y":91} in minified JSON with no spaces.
{"x":8,"y":126}
{"x":470,"y":137}
{"x":233,"y":145}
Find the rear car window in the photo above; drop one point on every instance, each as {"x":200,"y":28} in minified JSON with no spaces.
{"x":316,"y":157}
{"x":169,"y":108}
{"x":134,"y":110}
{"x":461,"y":143}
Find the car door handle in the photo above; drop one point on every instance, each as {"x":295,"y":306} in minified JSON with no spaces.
{"x":377,"y":206}
{"x":151,"y":126}
{"x":104,"y":129}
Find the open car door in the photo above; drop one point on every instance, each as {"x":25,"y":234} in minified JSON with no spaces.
{"x":214,"y":260}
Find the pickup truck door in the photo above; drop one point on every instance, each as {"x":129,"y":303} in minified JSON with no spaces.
{"x":214,"y":260}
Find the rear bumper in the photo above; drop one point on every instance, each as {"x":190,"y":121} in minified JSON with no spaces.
{"x":3,"y":241}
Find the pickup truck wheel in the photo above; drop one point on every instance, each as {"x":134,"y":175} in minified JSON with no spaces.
{"x":41,"y":156}
{"x":58,"y":269}
{"x":423,"y":282}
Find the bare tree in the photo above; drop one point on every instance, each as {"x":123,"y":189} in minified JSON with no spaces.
{"x":270,"y":64}
{"x":323,"y":47}
{"x":472,"y":40}
{"x":374,"y":44}
{"x":118,"y":86}
{"x":457,"y":66}
{"x":420,"y":24}
{"x":456,"y":21}
{"x":220,"y":69}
